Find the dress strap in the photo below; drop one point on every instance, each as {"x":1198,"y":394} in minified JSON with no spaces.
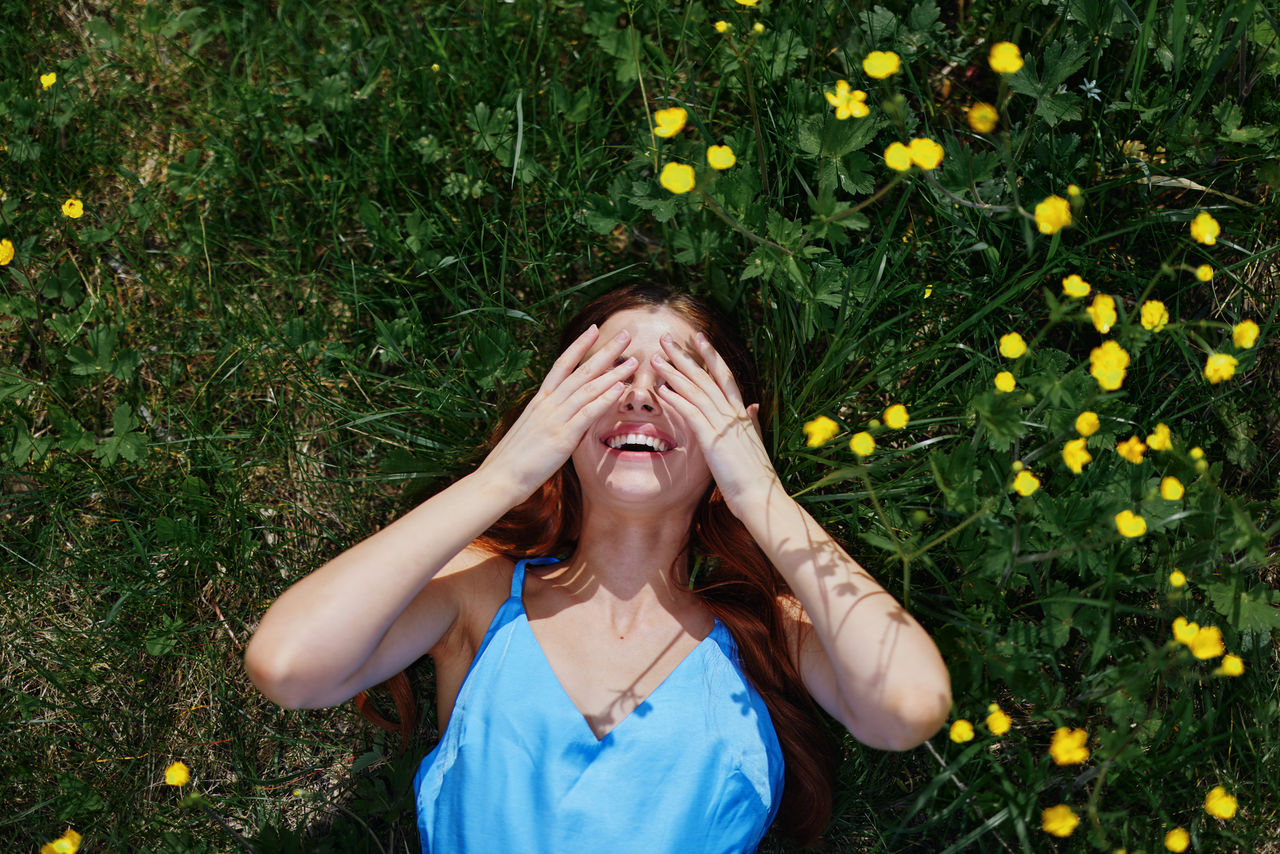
{"x":517,"y":575}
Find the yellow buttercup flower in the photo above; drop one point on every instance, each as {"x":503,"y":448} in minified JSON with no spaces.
{"x":1219,"y":367}
{"x":177,"y":774}
{"x":1005,"y":58}
{"x":1232,"y":665}
{"x":669,"y":122}
{"x":1005,"y":382}
{"x":1074,"y":286}
{"x":881,"y":64}
{"x":1219,"y":804}
{"x":1025,"y":483}
{"x":897,"y":157}
{"x":1196,"y":453}
{"x":1207,"y":643}
{"x":1154,"y":315}
{"x":1177,"y":578}
{"x":1068,"y":746}
{"x":820,"y":430}
{"x":997,"y":721}
{"x":1073,"y":191}
{"x":677,"y":177}
{"x":1204,"y":272}
{"x":720,"y":157}
{"x":1059,"y":820}
{"x":1177,"y":840}
{"x":757,"y":28}
{"x":67,"y":843}
{"x":1245,"y":334}
{"x":748,"y":2}
{"x":1103,"y":313}
{"x":723,"y":26}
{"x":862,"y":444}
{"x":1075,"y":455}
{"x":1130,"y":524}
{"x":982,"y":117}
{"x":47,"y":80}
{"x":1053,"y":214}
{"x":6,"y":251}
{"x":848,"y":102}
{"x":1161,"y":439}
{"x":925,"y":153}
{"x":1012,"y":346}
{"x":1087,"y":423}
{"x":1017,"y":466}
{"x":1131,"y":449}
{"x":1183,"y":631}
{"x":1171,"y":489}
{"x":1108,"y":363}
{"x":895,"y":417}
{"x":1205,"y":229}
{"x":961,"y":731}
{"x":73,"y":208}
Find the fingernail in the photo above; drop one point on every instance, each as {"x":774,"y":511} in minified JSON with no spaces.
{"x":666,"y":338}
{"x":700,"y":338}
{"x":622,"y":336}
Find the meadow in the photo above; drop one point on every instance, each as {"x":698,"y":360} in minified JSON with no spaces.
{"x":270,"y":272}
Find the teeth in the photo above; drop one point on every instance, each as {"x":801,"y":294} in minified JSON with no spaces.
{"x":654,"y":442}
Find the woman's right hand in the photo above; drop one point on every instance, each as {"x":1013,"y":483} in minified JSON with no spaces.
{"x":576,"y":392}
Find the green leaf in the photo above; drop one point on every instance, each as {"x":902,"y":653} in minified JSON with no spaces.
{"x":1257,"y":609}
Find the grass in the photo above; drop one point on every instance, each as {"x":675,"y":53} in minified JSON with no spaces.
{"x":324,"y":244}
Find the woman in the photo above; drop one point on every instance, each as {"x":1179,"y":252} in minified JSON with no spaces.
{"x":599,"y":699}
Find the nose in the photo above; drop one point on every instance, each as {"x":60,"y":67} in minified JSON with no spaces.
{"x":641,"y":394}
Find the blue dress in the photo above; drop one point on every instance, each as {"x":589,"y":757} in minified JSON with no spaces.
{"x":694,"y":769}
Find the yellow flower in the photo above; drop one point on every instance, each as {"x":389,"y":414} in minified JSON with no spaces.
{"x":982,"y":117}
{"x":1207,"y":643}
{"x":925,"y":153}
{"x":1204,"y":272}
{"x":881,"y":64}
{"x":1205,"y":229}
{"x":1154,"y":315}
{"x":848,"y":102}
{"x":1059,"y":820}
{"x":1177,"y":578}
{"x":1068,"y":746}
{"x":1103,"y":313}
{"x":757,"y":28}
{"x":1219,"y":804}
{"x":1177,"y":840}
{"x":1012,"y":346}
{"x":1005,"y":58}
{"x":6,"y":251}
{"x":997,"y":721}
{"x":1244,"y":334}
{"x":961,"y":731}
{"x":1074,"y":286}
{"x":897,"y":157}
{"x":748,"y":2}
{"x":1073,"y":191}
{"x":1087,"y":423}
{"x":1017,"y":466}
{"x":1161,"y":439}
{"x":47,"y":80}
{"x":862,"y":444}
{"x":669,"y":122}
{"x":1184,"y":632}
{"x":1131,"y":449}
{"x":895,"y":417}
{"x":1196,"y":453}
{"x":1075,"y":455}
{"x":177,"y":774}
{"x":67,"y":843}
{"x":73,"y":208}
{"x":1108,"y":363}
{"x":720,"y":157}
{"x":1232,"y":665}
{"x":820,"y":430}
{"x":1052,"y":214}
{"x":1005,"y":382}
{"x":723,"y":26}
{"x":1025,"y":483}
{"x":677,"y":177}
{"x":1130,"y":524}
{"x":1171,"y":490}
{"x":1219,"y":367}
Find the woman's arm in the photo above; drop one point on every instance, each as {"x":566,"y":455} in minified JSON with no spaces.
{"x":862,"y":656}
{"x":371,"y":611}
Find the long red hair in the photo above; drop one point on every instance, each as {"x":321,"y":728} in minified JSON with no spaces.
{"x":733,"y":578}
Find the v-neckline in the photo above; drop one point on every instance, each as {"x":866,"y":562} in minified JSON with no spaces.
{"x":578,"y":713}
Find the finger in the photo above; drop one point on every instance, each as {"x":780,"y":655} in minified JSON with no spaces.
{"x":586,"y":394}
{"x":687,"y":366}
{"x":567,"y":361}
{"x":718,"y":368}
{"x":753,"y":412}
{"x":593,"y":366}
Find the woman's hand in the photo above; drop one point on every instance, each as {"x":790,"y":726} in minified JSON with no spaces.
{"x":573,"y":396}
{"x":727,"y":432}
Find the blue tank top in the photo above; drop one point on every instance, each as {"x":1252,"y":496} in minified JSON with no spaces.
{"x":694,"y":769}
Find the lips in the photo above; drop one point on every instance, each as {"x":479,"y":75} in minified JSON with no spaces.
{"x":638,"y":438}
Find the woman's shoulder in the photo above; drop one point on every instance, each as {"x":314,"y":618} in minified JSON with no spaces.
{"x":477,"y":580}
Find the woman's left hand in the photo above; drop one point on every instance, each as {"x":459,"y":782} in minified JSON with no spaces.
{"x":728,"y":433}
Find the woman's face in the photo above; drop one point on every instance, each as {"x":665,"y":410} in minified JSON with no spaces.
{"x":641,"y":453}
